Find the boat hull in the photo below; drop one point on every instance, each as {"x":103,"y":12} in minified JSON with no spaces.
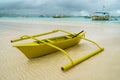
{"x":34,"y":49}
{"x":100,"y":17}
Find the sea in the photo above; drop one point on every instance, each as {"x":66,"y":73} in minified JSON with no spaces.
{"x":68,"y":19}
{"x":113,"y":21}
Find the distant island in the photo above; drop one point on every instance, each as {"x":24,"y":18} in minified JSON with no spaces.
{"x":37,"y":15}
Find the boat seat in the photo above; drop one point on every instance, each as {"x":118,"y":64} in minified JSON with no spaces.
{"x":49,"y":40}
{"x":68,"y":37}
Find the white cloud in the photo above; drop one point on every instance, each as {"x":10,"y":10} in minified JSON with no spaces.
{"x":118,"y":11}
{"x":81,"y":13}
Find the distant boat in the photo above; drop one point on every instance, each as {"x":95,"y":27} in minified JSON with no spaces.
{"x":59,"y":16}
{"x":100,"y":16}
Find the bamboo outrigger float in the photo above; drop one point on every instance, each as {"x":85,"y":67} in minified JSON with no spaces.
{"x":39,"y":47}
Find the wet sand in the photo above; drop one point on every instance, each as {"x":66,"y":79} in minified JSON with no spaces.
{"x":103,"y":66}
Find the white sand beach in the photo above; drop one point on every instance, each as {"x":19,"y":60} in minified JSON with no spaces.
{"x":103,"y":66}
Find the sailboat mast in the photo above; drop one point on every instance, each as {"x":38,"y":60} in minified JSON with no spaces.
{"x":103,"y":8}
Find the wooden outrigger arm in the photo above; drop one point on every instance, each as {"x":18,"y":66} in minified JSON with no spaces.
{"x":54,"y":31}
{"x":72,"y":62}
{"x":81,"y":59}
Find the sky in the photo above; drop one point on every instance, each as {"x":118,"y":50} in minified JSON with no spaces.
{"x":59,"y":7}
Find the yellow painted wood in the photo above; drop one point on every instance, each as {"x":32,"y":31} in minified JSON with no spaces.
{"x":37,"y":35}
{"x":79,"y":60}
{"x":39,"y":47}
{"x":46,"y":46}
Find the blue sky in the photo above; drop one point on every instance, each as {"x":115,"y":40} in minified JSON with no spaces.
{"x":60,"y":7}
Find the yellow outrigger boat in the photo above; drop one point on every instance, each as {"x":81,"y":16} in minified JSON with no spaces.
{"x":39,"y":47}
